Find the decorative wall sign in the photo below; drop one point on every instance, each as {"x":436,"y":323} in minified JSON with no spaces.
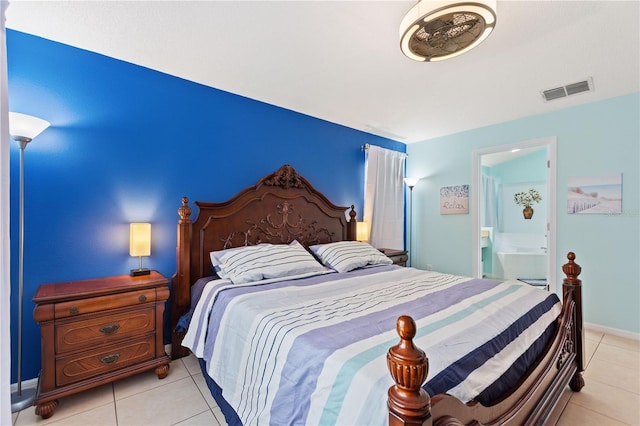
{"x":454,"y":199}
{"x":600,"y":194}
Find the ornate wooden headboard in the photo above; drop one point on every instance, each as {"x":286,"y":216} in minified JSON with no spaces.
{"x":281,"y":207}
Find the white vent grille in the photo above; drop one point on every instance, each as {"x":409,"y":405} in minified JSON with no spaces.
{"x":568,"y":90}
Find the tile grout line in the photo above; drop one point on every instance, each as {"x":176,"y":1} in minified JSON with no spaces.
{"x":203,"y":396}
{"x":597,"y":412}
{"x":115,"y":403}
{"x":586,"y":365}
{"x":599,"y":344}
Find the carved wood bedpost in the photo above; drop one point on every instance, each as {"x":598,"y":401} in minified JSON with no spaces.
{"x":352,"y":224}
{"x":408,"y":403}
{"x":572,"y":290}
{"x":181,"y":285}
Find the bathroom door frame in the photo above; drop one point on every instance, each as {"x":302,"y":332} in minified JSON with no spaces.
{"x":550,"y":144}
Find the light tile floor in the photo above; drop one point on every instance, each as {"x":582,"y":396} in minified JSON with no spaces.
{"x":610,"y":397}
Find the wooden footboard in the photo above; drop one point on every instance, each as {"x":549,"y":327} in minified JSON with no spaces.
{"x":530,"y":403}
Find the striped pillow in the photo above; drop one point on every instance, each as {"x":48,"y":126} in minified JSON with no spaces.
{"x":345,"y":256}
{"x":256,"y":263}
{"x":216,"y":258}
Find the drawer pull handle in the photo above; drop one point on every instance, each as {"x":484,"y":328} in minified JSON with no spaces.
{"x":142,"y":298}
{"x":110,"y":359}
{"x":74,"y":310}
{"x":109,"y":329}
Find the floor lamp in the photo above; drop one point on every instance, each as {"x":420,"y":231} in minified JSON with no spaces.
{"x":410,"y":182}
{"x":23,"y":128}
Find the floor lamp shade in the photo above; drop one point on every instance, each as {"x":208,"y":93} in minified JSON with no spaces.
{"x":410,"y":182}
{"x":22,"y":128}
{"x":140,"y":245}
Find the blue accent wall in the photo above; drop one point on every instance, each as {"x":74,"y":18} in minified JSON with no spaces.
{"x":125,"y":144}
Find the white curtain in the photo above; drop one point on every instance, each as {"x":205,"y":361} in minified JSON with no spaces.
{"x":489,"y":212}
{"x":384,"y":197}
{"x":5,"y":277}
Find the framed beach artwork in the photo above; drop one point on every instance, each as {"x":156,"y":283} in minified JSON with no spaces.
{"x":601,"y":194}
{"x":454,"y":199}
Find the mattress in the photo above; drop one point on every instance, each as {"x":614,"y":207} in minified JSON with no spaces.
{"x":312,"y":350}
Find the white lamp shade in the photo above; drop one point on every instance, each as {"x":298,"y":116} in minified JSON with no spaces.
{"x":140,"y":239}
{"x":362,"y":231}
{"x":26,"y":126}
{"x":410,"y":181}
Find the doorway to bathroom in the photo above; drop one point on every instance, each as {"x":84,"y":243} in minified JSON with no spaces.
{"x":511,"y":180}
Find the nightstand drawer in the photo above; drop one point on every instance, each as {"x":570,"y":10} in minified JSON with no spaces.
{"x":93,"y":363}
{"x":102,"y":303}
{"x":77,"y":334}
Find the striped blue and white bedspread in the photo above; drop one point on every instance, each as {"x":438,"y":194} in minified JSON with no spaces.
{"x":313,"y":350}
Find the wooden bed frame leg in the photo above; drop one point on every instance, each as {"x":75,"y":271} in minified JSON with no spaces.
{"x":572,"y":290}
{"x":408,"y":403}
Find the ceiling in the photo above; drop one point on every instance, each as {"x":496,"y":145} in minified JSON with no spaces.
{"x":340,"y":60}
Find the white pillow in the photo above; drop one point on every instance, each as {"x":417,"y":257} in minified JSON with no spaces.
{"x":344,"y":256}
{"x":216,"y":257}
{"x":256,"y":263}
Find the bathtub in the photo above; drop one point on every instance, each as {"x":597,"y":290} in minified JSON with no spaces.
{"x":523,"y":263}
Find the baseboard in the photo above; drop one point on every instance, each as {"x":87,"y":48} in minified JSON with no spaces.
{"x":26,"y":384}
{"x":613,"y":331}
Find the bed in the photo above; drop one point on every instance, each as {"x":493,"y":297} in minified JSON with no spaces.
{"x":336,"y":339}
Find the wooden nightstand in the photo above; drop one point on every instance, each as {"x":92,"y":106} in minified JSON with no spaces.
{"x":399,"y":257}
{"x":97,"y":331}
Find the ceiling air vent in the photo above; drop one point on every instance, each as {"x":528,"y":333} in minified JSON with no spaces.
{"x":568,"y":90}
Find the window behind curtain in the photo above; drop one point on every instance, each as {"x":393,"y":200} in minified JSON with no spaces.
{"x":384,"y":197}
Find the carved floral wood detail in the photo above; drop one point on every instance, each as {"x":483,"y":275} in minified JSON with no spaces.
{"x":283,"y":228}
{"x":568,"y":346}
{"x":286,"y":177}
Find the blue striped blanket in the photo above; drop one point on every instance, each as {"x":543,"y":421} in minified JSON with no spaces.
{"x":313,"y":350}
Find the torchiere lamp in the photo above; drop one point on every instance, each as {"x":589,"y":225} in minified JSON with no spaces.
{"x":23,"y":129}
{"x":410,"y":182}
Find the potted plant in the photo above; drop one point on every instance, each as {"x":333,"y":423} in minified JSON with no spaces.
{"x":526,"y":199}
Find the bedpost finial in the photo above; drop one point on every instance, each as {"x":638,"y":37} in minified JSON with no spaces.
{"x":352,"y":212}
{"x":571,"y":269}
{"x":184,"y":211}
{"x":406,"y":327}
{"x":409,"y":367}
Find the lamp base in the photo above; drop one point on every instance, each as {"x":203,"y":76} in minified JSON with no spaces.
{"x":140,"y":271}
{"x":22,"y":400}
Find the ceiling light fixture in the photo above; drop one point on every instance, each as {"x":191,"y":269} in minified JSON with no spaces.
{"x":436,"y":30}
